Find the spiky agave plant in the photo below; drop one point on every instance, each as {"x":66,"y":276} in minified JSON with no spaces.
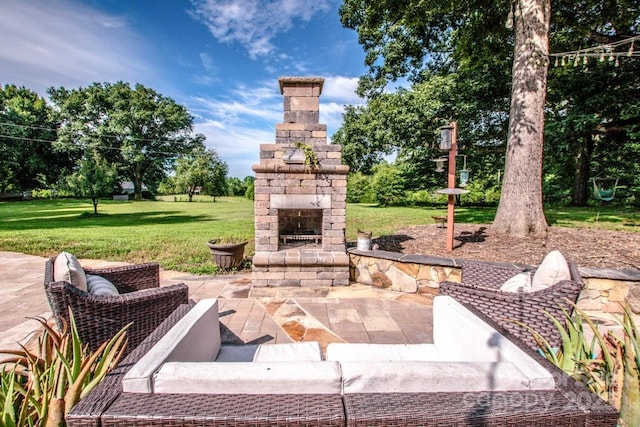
{"x":608,"y":364}
{"x":41,"y":385}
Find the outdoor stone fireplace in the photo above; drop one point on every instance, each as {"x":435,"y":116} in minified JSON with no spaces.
{"x":300,"y":197}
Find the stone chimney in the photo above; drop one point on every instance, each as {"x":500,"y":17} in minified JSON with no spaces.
{"x":300,"y":197}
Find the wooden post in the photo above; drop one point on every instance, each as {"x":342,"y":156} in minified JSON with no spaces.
{"x":451,"y":184}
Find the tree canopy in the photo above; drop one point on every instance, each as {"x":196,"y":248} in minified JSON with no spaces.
{"x":95,"y":178}
{"x":27,"y":157}
{"x":201,"y":169}
{"x":496,"y":92}
{"x":136,"y":128}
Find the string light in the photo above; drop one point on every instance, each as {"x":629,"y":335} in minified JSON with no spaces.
{"x":610,"y":52}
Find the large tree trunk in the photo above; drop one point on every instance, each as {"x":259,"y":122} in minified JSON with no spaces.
{"x":580,"y":194}
{"x":137,"y":186}
{"x":520,"y":212}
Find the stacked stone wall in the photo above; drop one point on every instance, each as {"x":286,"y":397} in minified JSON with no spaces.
{"x":604,"y":295}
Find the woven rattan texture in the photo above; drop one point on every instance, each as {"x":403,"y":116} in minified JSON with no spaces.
{"x":479,"y":287}
{"x":569,"y":404}
{"x":225,"y":410}
{"x":87,"y":412}
{"x":141,"y":302}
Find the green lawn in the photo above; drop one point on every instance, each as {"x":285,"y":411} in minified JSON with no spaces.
{"x":174,"y":233}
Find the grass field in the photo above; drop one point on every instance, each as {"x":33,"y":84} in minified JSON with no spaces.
{"x":174,"y":232}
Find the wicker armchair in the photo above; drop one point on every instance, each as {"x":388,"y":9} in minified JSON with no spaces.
{"x":480,"y":288}
{"x":98,"y":318}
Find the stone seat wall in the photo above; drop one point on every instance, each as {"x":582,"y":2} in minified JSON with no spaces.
{"x":603,"y":297}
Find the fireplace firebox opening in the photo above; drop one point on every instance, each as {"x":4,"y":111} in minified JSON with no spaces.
{"x":300,"y":227}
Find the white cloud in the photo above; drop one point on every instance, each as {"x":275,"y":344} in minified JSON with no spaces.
{"x":337,"y":92}
{"x":237,"y":146}
{"x":207,"y":61}
{"x":341,"y":89}
{"x":235,"y":125}
{"x":65,"y":43}
{"x":254,"y":23}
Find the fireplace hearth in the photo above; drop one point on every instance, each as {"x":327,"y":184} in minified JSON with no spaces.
{"x":300,"y":203}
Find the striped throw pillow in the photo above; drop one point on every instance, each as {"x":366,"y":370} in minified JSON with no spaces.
{"x":98,"y":285}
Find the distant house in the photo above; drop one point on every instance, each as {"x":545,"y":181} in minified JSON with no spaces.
{"x":127,"y":187}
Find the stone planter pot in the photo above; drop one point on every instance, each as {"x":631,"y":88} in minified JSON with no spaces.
{"x":226,"y":255}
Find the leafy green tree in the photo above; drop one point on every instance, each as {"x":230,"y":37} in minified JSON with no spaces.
{"x":407,"y":122}
{"x":236,"y":187}
{"x":402,"y":38}
{"x":27,"y":158}
{"x":592,"y":109}
{"x":251,"y":188}
{"x":362,"y":137}
{"x":387,"y":185}
{"x":593,"y":118}
{"x":203,"y":169}
{"x":137,"y":129}
{"x":94,"y":179}
{"x":167,"y":186}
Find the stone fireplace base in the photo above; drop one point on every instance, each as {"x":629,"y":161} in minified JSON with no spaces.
{"x":300,"y":267}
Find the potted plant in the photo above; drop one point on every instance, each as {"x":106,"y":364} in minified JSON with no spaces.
{"x":226,"y":255}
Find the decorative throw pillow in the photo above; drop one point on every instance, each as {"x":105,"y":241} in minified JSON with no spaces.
{"x":98,"y":285}
{"x":521,"y":282}
{"x":66,"y":268}
{"x":552,"y":269}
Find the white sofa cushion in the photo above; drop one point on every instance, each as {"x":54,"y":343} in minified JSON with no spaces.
{"x":381,"y":352}
{"x":98,"y":285}
{"x":283,"y":352}
{"x":521,"y":282}
{"x":552,"y":269}
{"x":460,"y":336}
{"x":249,"y":378}
{"x":66,"y":268}
{"x":194,"y":338}
{"x":432,"y":377}
{"x":289,"y":352}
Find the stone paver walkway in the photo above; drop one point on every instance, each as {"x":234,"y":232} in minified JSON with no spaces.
{"x":354,"y":313}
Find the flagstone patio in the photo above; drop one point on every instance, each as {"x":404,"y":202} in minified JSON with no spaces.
{"x":355,"y":313}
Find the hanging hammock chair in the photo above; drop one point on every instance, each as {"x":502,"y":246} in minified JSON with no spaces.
{"x":604,"y":189}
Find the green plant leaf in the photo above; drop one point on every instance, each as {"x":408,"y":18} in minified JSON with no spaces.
{"x":8,"y":411}
{"x":631,"y":331}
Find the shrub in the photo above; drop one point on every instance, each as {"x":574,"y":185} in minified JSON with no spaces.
{"x":419,"y":198}
{"x":358,"y":188}
{"x":388,"y":185}
{"x":481,"y":193}
{"x":250,"y":191}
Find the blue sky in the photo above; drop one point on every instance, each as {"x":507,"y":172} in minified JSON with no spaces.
{"x":219,"y":58}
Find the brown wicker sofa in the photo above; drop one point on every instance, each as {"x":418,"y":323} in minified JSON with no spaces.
{"x":567,"y":404}
{"x":480,"y":287}
{"x":141,"y":302}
